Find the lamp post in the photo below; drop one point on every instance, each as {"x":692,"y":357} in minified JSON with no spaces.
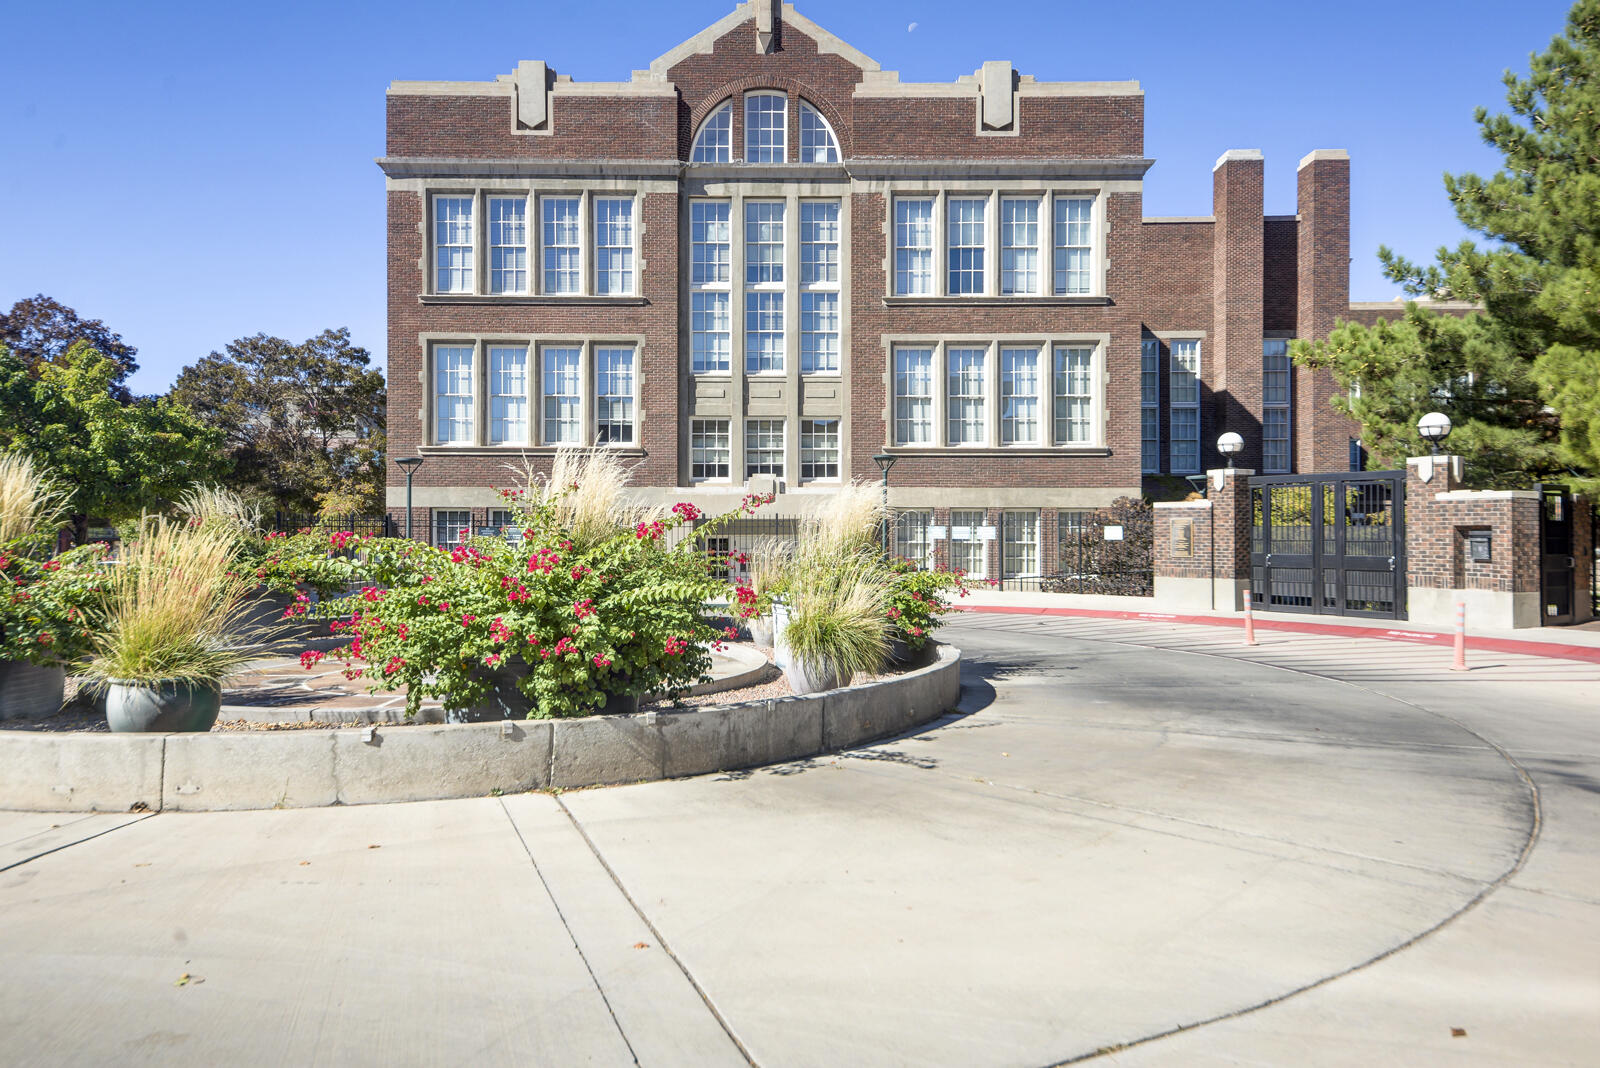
{"x":1434,"y":428}
{"x":409,"y":465}
{"x":885,"y":460}
{"x":1230,"y":445}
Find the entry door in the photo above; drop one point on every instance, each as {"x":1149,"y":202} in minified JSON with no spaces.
{"x":1558,"y":580}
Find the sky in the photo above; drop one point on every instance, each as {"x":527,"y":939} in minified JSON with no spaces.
{"x":194,"y":173}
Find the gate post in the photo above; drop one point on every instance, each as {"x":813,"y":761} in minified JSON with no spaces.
{"x":1202,"y":548}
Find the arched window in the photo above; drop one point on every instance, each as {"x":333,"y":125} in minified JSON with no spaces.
{"x":817,"y":143}
{"x":766,"y":127}
{"x":714,"y":142}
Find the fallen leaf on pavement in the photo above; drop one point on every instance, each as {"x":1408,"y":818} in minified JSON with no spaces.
{"x":641,"y":945}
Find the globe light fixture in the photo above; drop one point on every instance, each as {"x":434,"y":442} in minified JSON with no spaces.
{"x":1434,"y":428}
{"x":1230,"y":445}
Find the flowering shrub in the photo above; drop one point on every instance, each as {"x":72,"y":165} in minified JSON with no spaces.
{"x":51,"y":609}
{"x":918,"y":601}
{"x":570,"y":616}
{"x":324,"y":561}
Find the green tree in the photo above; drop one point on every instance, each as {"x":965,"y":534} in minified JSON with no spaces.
{"x":40,"y":330}
{"x":303,"y":424}
{"x":121,"y":458}
{"x":1520,"y":379}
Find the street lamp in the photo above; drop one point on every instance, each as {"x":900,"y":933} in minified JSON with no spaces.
{"x":1434,"y":428}
{"x":1230,"y":445}
{"x":409,"y":465}
{"x":885,"y":460}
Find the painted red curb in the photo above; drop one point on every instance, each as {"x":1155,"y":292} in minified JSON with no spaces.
{"x":1552,"y":650}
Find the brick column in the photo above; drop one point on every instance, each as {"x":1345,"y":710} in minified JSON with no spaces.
{"x":1234,"y":352}
{"x":1215,"y":571}
{"x":1320,"y":435}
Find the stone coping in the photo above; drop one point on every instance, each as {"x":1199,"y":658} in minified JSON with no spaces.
{"x":83,"y":772}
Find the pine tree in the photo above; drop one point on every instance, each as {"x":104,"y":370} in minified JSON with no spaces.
{"x":1520,"y":379}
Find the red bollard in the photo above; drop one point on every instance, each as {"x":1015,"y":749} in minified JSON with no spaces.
{"x":1460,"y":663}
{"x":1249,"y":621}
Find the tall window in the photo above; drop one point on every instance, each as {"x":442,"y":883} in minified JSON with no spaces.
{"x":508,"y":395}
{"x":819,"y":279}
{"x":1019,"y":245}
{"x":508,"y":245}
{"x":966,"y":243}
{"x":452,"y":389}
{"x":708,"y":449}
{"x":1150,"y":405}
{"x":967,"y":550}
{"x":913,"y":245}
{"x":911,"y":538}
{"x":1183,"y":394}
{"x":766,"y":124}
{"x":563,"y":420}
{"x":964,"y":401}
{"x":1073,"y":244}
{"x":710,"y":239}
{"x":1074,"y":395}
{"x":710,"y":333}
{"x":819,"y":449}
{"x":613,"y":240}
{"x":913,"y":396}
{"x":817,"y":144}
{"x":819,"y":243}
{"x":819,"y":333}
{"x":1019,"y":396}
{"x":763,"y":332}
{"x":714,"y":142}
{"x":613,"y":394}
{"x":452,"y":244}
{"x":763,"y":275}
{"x":562,"y":244}
{"x":1275,"y":406}
{"x":763,"y":447}
{"x":1019,"y":545}
{"x":763,"y":242}
{"x":451,"y":528}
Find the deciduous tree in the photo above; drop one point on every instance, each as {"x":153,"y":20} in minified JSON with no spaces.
{"x":40,"y":330}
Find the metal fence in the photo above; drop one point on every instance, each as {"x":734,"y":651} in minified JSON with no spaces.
{"x":731,"y":545}
{"x":1108,"y":552}
{"x":381,"y":526}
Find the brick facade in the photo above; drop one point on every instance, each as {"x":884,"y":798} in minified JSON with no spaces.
{"x":1228,"y":280}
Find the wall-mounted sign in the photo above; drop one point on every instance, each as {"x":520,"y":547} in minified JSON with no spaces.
{"x":936,"y":533}
{"x":960,"y":533}
{"x":1480,"y":546}
{"x":1183,"y":537}
{"x":986,"y":533}
{"x":1114,"y":533}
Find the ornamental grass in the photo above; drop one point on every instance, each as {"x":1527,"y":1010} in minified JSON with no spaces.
{"x":587,"y":490}
{"x":837,"y":618}
{"x":32,"y":504}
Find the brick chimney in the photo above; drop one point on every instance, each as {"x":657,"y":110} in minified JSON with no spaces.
{"x":1234,"y":351}
{"x":1324,"y":298}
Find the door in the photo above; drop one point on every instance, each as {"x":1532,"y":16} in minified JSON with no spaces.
{"x":1558,"y":578}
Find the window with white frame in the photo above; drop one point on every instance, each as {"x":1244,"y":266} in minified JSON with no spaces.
{"x":451,"y":528}
{"x":714,"y":142}
{"x":819,"y":333}
{"x":819,"y":449}
{"x":763,"y":447}
{"x":1275,"y":406}
{"x":911,"y":538}
{"x":764,"y":295}
{"x":710,"y":242}
{"x":710,"y":333}
{"x":1019,"y":396}
{"x":966,"y":242}
{"x":614,"y":374}
{"x":1019,"y":246}
{"x":508,"y":395}
{"x":562,"y":380}
{"x":1019,"y":545}
{"x":508,"y":244}
{"x":819,"y":243}
{"x":763,"y":242}
{"x":1074,"y":248}
{"x":763,"y":333}
{"x":817,"y":143}
{"x":1150,"y":405}
{"x":1074,"y":395}
{"x":965,"y":403}
{"x":561,"y":248}
{"x":766,"y":124}
{"x":968,"y":552}
{"x":1183,"y":399}
{"x":709,"y":454}
{"x":913,"y":395}
{"x":613,"y":241}
{"x":452,"y":244}
{"x":913,"y":245}
{"x":452,"y":395}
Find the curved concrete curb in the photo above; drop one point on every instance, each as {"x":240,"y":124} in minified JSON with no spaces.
{"x":75,"y":772}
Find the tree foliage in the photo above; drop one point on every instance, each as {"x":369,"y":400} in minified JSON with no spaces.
{"x":119,"y":457}
{"x":39,"y":330}
{"x":303,"y":424}
{"x":1520,"y":379}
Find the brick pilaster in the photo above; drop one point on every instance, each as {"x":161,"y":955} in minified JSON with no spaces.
{"x":1235,"y":349}
{"x":1320,"y":435}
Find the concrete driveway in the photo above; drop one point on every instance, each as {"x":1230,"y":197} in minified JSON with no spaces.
{"x":1137,"y":841}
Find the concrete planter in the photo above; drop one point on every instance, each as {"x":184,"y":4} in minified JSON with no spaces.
{"x":168,"y":706}
{"x":28,"y":691}
{"x":804,"y":678}
{"x":760,"y":630}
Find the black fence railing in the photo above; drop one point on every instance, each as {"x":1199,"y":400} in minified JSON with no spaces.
{"x":380,"y":526}
{"x":733,"y":544}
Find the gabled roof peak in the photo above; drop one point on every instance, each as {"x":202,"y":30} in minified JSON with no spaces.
{"x":768,"y":15}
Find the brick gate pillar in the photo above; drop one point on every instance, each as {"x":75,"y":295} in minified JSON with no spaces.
{"x":1202,"y":550}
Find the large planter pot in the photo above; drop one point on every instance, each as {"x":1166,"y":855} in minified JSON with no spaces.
{"x":804,"y":679}
{"x":28,"y":691}
{"x":760,"y":630}
{"x":780,"y":623}
{"x":136,"y":707}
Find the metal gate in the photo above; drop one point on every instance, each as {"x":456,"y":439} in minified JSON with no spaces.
{"x":1558,"y":578}
{"x":1329,"y":544}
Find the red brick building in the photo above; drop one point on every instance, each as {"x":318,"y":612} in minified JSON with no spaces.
{"x":764,"y":259}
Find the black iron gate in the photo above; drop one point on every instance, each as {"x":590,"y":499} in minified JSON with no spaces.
{"x":1329,"y":544}
{"x":1558,"y":577}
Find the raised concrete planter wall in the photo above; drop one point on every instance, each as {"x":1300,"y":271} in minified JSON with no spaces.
{"x":75,"y":772}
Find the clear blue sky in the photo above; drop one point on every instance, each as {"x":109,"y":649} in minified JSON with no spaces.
{"x":193,"y":173}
